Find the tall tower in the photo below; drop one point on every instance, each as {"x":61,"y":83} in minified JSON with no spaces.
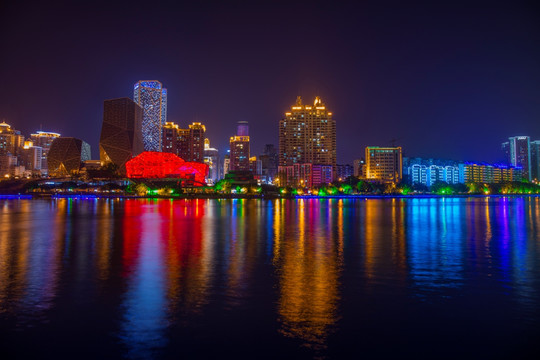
{"x":307,"y":134}
{"x":520,"y":154}
{"x":151,"y":96}
{"x":121,"y":137}
{"x":239,"y":146}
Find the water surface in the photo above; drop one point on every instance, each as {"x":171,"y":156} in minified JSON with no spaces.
{"x":307,"y":278}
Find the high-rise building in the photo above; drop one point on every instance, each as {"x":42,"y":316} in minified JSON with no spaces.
{"x":269,"y":163}
{"x":307,"y":135}
{"x":239,"y":146}
{"x":520,"y":154}
{"x":121,"y":137}
{"x":535,"y":160}
{"x":242,"y":128}
{"x":151,"y":96}
{"x":384,"y":164}
{"x":31,"y":157}
{"x":11,"y":140}
{"x":211,"y":158}
{"x":186,"y":143}
{"x":226,"y":164}
{"x":44,"y":139}
{"x":66,"y":156}
{"x":196,"y":142}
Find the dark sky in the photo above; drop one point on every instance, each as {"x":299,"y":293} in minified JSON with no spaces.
{"x":447,"y":79}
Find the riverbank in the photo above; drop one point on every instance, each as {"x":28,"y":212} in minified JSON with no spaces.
{"x":251,"y":196}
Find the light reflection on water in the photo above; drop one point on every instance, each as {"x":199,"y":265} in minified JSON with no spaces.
{"x":308,"y":276}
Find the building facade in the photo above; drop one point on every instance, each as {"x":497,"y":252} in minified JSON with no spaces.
{"x":186,"y":143}
{"x":66,"y":156}
{"x":359,"y":168}
{"x":307,"y":134}
{"x":239,"y":148}
{"x":121,"y":135}
{"x":31,"y":158}
{"x":269,"y":163}
{"x":211,"y":158}
{"x":44,"y":139}
{"x":344,"y":171}
{"x":384,"y":164}
{"x":151,"y":96}
{"x":11,"y":140}
{"x":520,"y":154}
{"x":535,"y":160}
{"x":488,"y":173}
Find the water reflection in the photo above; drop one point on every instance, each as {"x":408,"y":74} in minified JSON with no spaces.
{"x":308,"y":261}
{"x":148,"y":270}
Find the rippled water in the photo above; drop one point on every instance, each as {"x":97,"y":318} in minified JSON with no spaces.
{"x":430,"y":278}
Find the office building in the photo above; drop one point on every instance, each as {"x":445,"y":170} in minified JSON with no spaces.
{"x":31,"y":158}
{"x":269,"y":163}
{"x":384,"y":164}
{"x":535,"y":160}
{"x":121,"y":136}
{"x":66,"y":156}
{"x":520,"y":154}
{"x":44,"y":140}
{"x":211,"y":158}
{"x":151,"y":96}
{"x":239,"y":148}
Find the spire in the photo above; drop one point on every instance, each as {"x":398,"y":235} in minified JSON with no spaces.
{"x":298,"y":101}
{"x":318,"y":101}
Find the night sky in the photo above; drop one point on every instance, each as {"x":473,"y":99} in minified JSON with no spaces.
{"x":449,"y":80}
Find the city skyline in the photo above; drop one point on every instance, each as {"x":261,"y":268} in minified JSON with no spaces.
{"x":477,"y":82}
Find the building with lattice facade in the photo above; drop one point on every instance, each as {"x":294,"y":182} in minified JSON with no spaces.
{"x":66,"y":155}
{"x":121,"y":136}
{"x":151,"y":96}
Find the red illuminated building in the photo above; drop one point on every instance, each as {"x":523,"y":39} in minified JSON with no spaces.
{"x":160,"y":165}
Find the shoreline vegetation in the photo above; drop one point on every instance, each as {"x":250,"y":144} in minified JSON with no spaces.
{"x":173,"y":189}
{"x":247,"y":197}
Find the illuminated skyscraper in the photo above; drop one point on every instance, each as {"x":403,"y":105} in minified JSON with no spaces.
{"x":152,"y":97}
{"x":239,"y":146}
{"x":520,"y":154}
{"x":307,"y":134}
{"x":121,"y":137}
{"x":535,"y":160}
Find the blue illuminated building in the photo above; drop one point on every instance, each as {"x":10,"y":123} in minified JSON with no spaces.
{"x":152,"y":98}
